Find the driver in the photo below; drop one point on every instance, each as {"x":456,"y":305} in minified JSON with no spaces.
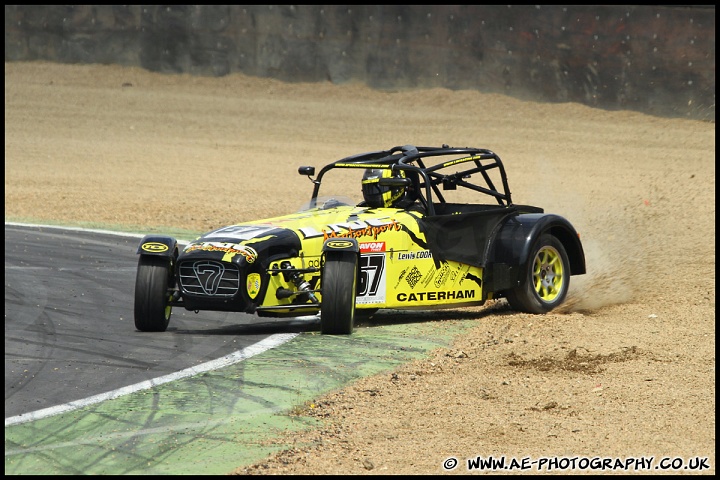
{"x":379,"y":196}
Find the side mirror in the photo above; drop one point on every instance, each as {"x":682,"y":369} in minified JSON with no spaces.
{"x":309,"y":171}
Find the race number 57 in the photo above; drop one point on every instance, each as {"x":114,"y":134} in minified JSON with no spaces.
{"x":372,"y":267}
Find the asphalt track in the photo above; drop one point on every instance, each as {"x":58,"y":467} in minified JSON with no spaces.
{"x":85,"y":393}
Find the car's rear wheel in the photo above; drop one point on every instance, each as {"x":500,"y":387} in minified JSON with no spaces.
{"x":339,"y":284}
{"x":152,"y":297}
{"x":545,"y":282}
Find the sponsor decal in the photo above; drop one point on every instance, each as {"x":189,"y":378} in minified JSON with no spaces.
{"x":368,"y":231}
{"x":414,"y":255}
{"x":458,"y":273}
{"x":154,"y":247}
{"x":312,"y":263}
{"x":462,"y":160}
{"x":442,"y":275}
{"x":364,"y":165}
{"x":230,"y":249}
{"x":413,"y":277}
{"x":361,"y":228}
{"x":373,"y":247}
{"x":435,"y":296}
{"x":253,"y":285}
{"x":429,"y":276}
{"x":339,"y":244}
{"x":402,"y":275}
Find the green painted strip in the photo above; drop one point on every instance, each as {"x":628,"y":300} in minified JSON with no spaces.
{"x":217,"y":421}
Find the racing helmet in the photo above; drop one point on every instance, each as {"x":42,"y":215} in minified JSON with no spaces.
{"x":378,"y":196}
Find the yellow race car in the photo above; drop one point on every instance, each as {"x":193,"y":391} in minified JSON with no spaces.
{"x":405,"y":228}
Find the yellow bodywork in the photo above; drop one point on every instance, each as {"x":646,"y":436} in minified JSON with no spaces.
{"x":396,"y":268}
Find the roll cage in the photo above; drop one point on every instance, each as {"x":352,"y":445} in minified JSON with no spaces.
{"x":427,"y":179}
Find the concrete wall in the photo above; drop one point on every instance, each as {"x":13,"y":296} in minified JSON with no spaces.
{"x":655,"y":59}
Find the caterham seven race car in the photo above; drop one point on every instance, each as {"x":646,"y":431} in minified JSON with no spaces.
{"x":416,"y":237}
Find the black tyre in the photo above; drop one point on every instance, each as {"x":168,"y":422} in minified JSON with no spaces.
{"x":339,"y":284}
{"x":546,"y":280}
{"x":152,"y":309}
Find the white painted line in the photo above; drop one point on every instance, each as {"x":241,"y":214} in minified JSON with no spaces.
{"x":79,"y":229}
{"x":235,"y":357}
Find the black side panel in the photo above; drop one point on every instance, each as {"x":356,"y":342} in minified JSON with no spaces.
{"x":462,"y":232}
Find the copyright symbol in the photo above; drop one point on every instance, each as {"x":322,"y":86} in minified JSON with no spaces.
{"x":450,"y":463}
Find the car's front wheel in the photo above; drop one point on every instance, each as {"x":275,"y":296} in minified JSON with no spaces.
{"x":545,"y":282}
{"x":152,"y":297}
{"x":339,"y":284}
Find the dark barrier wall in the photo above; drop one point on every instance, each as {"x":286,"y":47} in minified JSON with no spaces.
{"x":654,"y":59}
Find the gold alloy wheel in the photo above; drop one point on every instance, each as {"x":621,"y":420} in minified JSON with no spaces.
{"x":548,"y":274}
